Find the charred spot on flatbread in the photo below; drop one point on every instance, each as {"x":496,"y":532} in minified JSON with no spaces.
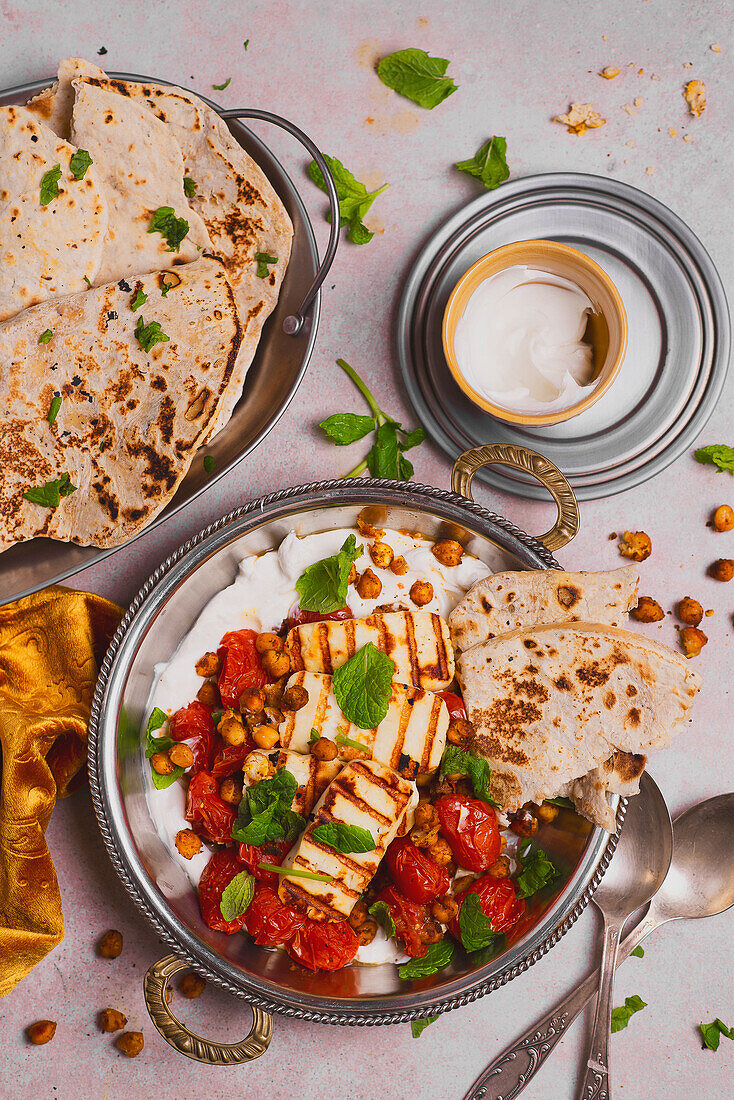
{"x":628,"y":766}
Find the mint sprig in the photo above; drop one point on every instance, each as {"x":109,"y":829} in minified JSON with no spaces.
{"x":265,"y":811}
{"x":354,"y":198}
{"x":363,"y":686}
{"x":322,"y":587}
{"x":489,"y":163}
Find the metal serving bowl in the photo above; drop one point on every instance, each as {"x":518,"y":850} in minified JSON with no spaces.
{"x":159,"y":617}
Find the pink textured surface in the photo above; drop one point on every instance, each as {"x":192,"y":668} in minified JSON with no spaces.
{"x":517,"y":66}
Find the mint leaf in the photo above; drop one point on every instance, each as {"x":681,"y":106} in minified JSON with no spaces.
{"x":437,"y":957}
{"x":412,"y":439}
{"x":53,"y":411}
{"x":173,"y":229}
{"x":474,"y":926}
{"x":209,"y":464}
{"x":457,"y":761}
{"x":383,"y":458}
{"x":294,"y":872}
{"x":263,"y":259}
{"x":363,"y":686}
{"x":221,"y":87}
{"x":346,"y":428}
{"x":350,"y":743}
{"x":564,"y":803}
{"x":345,"y":838}
{"x":50,"y":185}
{"x":148,"y":335}
{"x":45,"y":336}
{"x":489,"y":163}
{"x":536,"y":870}
{"x":323,"y":586}
{"x":419,"y":1026}
{"x":718,"y":454}
{"x":265,"y":811}
{"x":711,"y":1034}
{"x":50,"y":494}
{"x":88,"y":282}
{"x":79,"y":163}
{"x":354,"y":198}
{"x":259,"y":828}
{"x":358,"y":233}
{"x":139,"y":299}
{"x":417,"y":76}
{"x":621,"y":1016}
{"x":237,"y":895}
{"x":638,"y":953}
{"x":189,"y":187}
{"x":380,"y":910}
{"x":153,"y":745}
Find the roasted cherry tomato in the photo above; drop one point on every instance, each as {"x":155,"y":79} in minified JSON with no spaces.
{"x":324,"y":945}
{"x":210,"y":816}
{"x":269,"y":922}
{"x":417,"y":876}
{"x":454,"y":704}
{"x":412,"y":921}
{"x":218,"y":873}
{"x":229,"y":759}
{"x":273,"y":851}
{"x":241,"y":668}
{"x":498,"y":900}
{"x":298,"y":617}
{"x":470,"y":826}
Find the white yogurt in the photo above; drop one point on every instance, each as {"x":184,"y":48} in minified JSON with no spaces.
{"x":519,"y":342}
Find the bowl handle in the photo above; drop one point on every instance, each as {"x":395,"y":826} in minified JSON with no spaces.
{"x":155,"y":985}
{"x":568,"y":519}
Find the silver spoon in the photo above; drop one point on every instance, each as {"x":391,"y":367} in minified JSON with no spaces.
{"x":637,"y":872}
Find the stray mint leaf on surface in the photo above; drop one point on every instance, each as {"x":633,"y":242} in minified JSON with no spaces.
{"x":363,"y":685}
{"x":171,"y":228}
{"x":221,"y":87}
{"x":139,"y":300}
{"x":153,"y":745}
{"x":209,"y":464}
{"x":53,"y":411}
{"x":489,"y":163}
{"x":474,"y":925}
{"x":419,"y":1026}
{"x":189,"y":187}
{"x":638,"y":953}
{"x":718,"y":454}
{"x":50,"y":494}
{"x":50,"y":185}
{"x":621,"y":1016}
{"x":344,"y":838}
{"x":80,"y":161}
{"x":246,"y":43}
{"x":323,"y":586}
{"x":437,"y":957}
{"x":536,"y":870}
{"x":417,"y":76}
{"x":262,"y":264}
{"x":711,"y":1034}
{"x":456,"y":761}
{"x":354,"y":198}
{"x":346,"y":428}
{"x":380,"y":910}
{"x":149,"y":335}
{"x":237,"y":895}
{"x":45,"y":336}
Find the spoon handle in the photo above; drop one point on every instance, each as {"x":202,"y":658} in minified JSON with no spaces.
{"x":595,"y":1085}
{"x":509,"y":1073}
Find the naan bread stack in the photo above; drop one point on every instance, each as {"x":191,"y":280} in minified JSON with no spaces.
{"x":563,"y":707}
{"x":149,"y":225}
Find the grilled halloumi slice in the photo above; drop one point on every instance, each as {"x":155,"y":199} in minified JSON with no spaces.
{"x":410,"y":738}
{"x":365,"y":793}
{"x":417,"y":641}
{"x":313,"y":776}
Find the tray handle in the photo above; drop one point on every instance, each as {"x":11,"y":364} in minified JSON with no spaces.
{"x":293,"y":325}
{"x":187,"y":1042}
{"x":568,"y":519}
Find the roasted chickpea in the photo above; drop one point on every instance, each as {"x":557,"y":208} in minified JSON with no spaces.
{"x":359,"y":914}
{"x":690,"y":611}
{"x":368,"y":530}
{"x":723,"y":569}
{"x":381,"y":554}
{"x":274,"y":692}
{"x":724,"y":518}
{"x":648,"y":610}
{"x":110,"y":945}
{"x":191,"y":985}
{"x":369,"y":585}
{"x":41,"y":1032}
{"x":636,"y":545}
{"x":421,"y":593}
{"x":252,"y":701}
{"x":130,"y":1043}
{"x":265,"y":737}
{"x":294,"y":698}
{"x":500,"y":868}
{"x":181,"y":755}
{"x":230,"y":791}
{"x":444,"y":909}
{"x":275,"y":664}
{"x":546,"y":812}
{"x":188,"y":843}
{"x":324,"y":749}
{"x":209,"y":665}
{"x":448,"y":551}
{"x":267,"y":641}
{"x":440,"y":852}
{"x":423,"y":836}
{"x":161,"y":763}
{"x":399,"y":566}
{"x":366,"y":932}
{"x":231,"y":728}
{"x":425,"y":814}
{"x":431,"y":933}
{"x":208,"y":694}
{"x":460,"y":732}
{"x":274,"y":716}
{"x":111,"y":1019}
{"x":692,"y":640}
{"x":524,"y":824}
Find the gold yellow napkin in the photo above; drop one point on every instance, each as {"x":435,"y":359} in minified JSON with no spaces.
{"x":51,"y":645}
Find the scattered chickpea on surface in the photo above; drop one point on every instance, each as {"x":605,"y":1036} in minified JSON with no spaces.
{"x":448,"y":551}
{"x":723,"y":569}
{"x":324,"y":749}
{"x":636,"y":545}
{"x":231,"y":728}
{"x":191,"y":985}
{"x":208,"y":694}
{"x":381,"y":554}
{"x":460,"y":732}
{"x":230,"y":791}
{"x":111,"y":1019}
{"x":265,"y":737}
{"x":275,"y":664}
{"x":421,"y":593}
{"x":161,"y":763}
{"x":444,"y":909}
{"x":399,"y":566}
{"x":690,"y":611}
{"x":130,"y":1043}
{"x":110,"y":946}
{"x":188,"y":843}
{"x":692,"y":640}
{"x":181,"y":755}
{"x":369,"y":585}
{"x":264,"y":642}
{"x":252,"y":701}
{"x":294,"y":698}
{"x":209,"y":665}
{"x":648,"y":610}
{"x":41,"y":1032}
{"x":724,"y":518}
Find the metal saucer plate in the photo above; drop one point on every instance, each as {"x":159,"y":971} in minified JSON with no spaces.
{"x":275,"y":374}
{"x":679,"y":331}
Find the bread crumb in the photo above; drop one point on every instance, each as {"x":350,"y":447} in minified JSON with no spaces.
{"x":694,"y":94}
{"x":709,"y":612}
{"x":580,"y":118}
{"x":609,"y":73}
{"x":637,"y":102}
{"x":654,"y":76}
{"x":628,"y":108}
{"x":687,"y":137}
{"x":649,"y":171}
{"x":672,"y":131}
{"x":631,"y":143}
{"x":640,"y":72}
{"x":715,"y":48}
{"x":687,"y":64}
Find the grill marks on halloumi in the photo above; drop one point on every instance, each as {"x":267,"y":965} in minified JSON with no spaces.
{"x":365,"y":793}
{"x":417,"y":641}
{"x":313,"y":776}
{"x":411,"y":737}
